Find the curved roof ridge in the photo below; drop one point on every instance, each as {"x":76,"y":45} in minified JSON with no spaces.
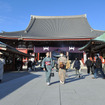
{"x":46,"y":17}
{"x":99,"y":30}
{"x":30,"y":25}
{"x":34,"y":17}
{"x":12,"y":31}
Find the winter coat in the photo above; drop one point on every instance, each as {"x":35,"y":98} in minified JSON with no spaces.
{"x":88,"y":63}
{"x":98,"y":63}
{"x":76,"y":64}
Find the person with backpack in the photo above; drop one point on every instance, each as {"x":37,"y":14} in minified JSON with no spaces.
{"x":98,"y":67}
{"x":77,"y":66}
{"x":88,"y":63}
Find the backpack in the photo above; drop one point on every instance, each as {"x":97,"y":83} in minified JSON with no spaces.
{"x":98,"y":63}
{"x":89,"y":63}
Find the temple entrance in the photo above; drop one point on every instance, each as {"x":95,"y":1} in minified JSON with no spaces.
{"x":42,"y":56}
{"x":72,"y":56}
{"x":30,"y":51}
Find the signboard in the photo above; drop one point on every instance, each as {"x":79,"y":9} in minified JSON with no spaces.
{"x":65,"y":49}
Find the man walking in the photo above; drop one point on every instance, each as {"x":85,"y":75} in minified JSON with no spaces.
{"x":88,"y":63}
{"x":98,"y":67}
{"x":47,"y":65}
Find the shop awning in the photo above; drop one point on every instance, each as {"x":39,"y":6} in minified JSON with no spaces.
{"x":100,"y":39}
{"x":85,"y":47}
{"x":6,"y":48}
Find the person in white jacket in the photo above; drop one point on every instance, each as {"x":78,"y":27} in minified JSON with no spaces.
{"x":2,"y":62}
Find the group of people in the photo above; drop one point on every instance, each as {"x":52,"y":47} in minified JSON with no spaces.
{"x":94,"y":67}
{"x":63,"y":65}
{"x":47,"y":65}
{"x":31,"y":65}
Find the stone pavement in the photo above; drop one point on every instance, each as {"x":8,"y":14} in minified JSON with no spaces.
{"x":31,"y":89}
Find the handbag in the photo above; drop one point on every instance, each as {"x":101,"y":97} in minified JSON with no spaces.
{"x":52,"y":74}
{"x":61,"y":65}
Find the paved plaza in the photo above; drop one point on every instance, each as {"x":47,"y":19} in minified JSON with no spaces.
{"x":29,"y":88}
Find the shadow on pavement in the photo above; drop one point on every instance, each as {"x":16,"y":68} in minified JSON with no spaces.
{"x":75,"y":78}
{"x":13,"y":75}
{"x":7,"y":88}
{"x":54,"y":82}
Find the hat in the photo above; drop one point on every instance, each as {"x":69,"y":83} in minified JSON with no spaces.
{"x":1,"y":53}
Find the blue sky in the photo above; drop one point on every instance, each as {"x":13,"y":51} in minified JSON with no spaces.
{"x":15,"y":14}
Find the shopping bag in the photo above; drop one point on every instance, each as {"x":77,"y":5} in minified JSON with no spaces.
{"x":52,"y":74}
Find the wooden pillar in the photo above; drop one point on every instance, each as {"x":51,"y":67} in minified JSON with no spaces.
{"x":67,"y":54}
{"x":84,"y":57}
{"x":38,"y":55}
{"x":21,"y":62}
{"x":14,"y":63}
{"x":50,"y":54}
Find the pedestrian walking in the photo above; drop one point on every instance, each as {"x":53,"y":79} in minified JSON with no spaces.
{"x":33,"y":65}
{"x":77,"y":66}
{"x":47,"y":65}
{"x":98,"y":67}
{"x":29,"y":65}
{"x":62,"y":68}
{"x":2,"y":62}
{"x":88,"y":63}
{"x":93,"y":66}
{"x":18,"y":64}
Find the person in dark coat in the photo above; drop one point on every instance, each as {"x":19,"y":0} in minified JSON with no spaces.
{"x":93,"y":66}
{"x":77,"y":66}
{"x":18,"y":64}
{"x":98,"y":67}
{"x":88,"y":63}
{"x":29,"y":65}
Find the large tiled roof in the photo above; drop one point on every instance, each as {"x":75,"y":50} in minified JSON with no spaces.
{"x":56,"y":27}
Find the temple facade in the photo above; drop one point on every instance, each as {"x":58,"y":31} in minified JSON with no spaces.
{"x":53,"y":34}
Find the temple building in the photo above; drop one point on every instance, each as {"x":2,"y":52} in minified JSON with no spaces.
{"x":53,"y":33}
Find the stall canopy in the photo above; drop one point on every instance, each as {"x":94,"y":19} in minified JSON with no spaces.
{"x":100,"y":38}
{"x":6,"y":48}
{"x":97,"y":43}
